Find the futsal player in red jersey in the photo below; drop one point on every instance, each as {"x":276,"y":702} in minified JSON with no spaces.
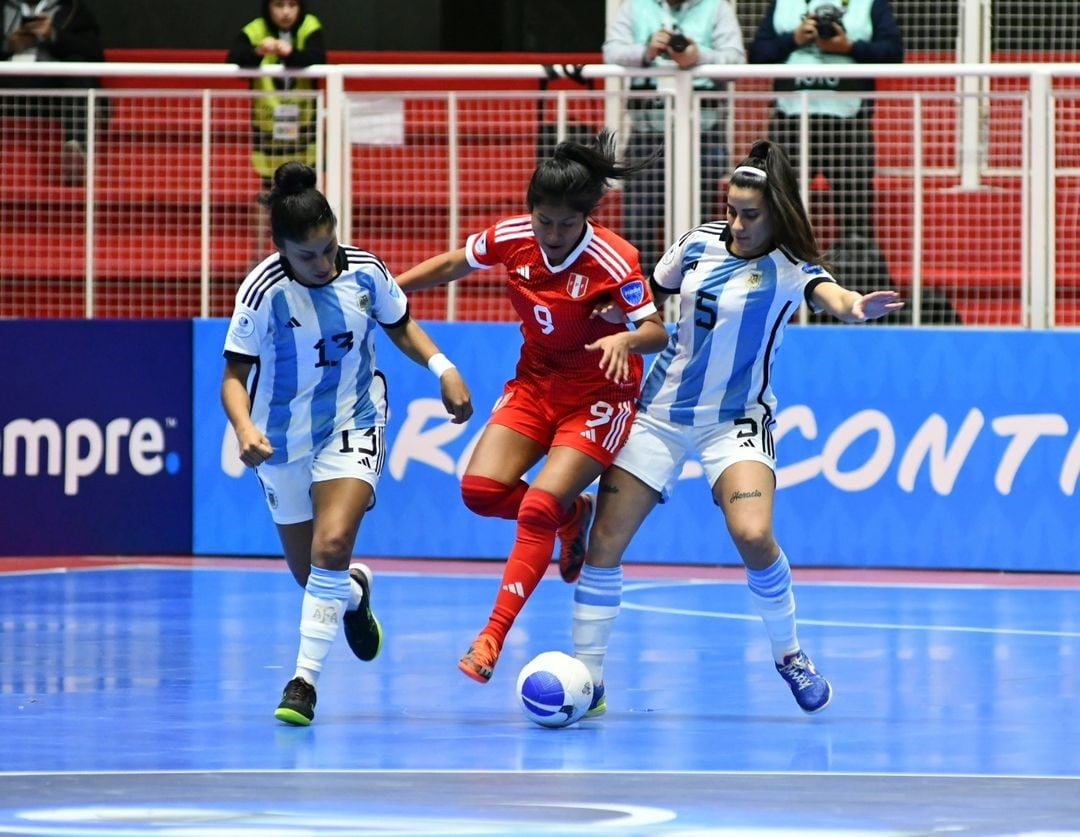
{"x":573,"y":396}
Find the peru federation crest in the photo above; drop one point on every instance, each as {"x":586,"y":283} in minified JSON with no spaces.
{"x":577,"y":285}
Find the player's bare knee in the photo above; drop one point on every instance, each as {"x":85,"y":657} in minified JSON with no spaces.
{"x":332,"y":551}
{"x":755,"y":542}
{"x":606,"y":544}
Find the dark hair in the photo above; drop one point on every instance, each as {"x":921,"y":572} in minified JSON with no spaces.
{"x":299,"y":17}
{"x":792,"y":230}
{"x":577,"y":175}
{"x":296,"y":206}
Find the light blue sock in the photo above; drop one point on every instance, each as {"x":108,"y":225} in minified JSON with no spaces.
{"x":326,"y":596}
{"x":597,"y":598}
{"x":771,"y":592}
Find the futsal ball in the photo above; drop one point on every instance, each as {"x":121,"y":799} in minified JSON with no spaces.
{"x":555,"y":689}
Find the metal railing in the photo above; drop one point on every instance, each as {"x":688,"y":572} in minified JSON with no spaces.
{"x":1023,"y":177}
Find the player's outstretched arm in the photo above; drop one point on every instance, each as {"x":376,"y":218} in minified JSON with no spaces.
{"x":649,"y":335}
{"x":415,"y":344}
{"x":852,"y":307}
{"x":436,"y":271}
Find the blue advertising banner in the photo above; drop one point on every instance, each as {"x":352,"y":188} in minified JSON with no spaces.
{"x":418,"y":511}
{"x":897,"y":448}
{"x":95,"y":438}
{"x":954,"y":449}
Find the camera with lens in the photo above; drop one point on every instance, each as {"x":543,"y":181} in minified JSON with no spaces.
{"x":827,"y":17}
{"x":678,"y":42}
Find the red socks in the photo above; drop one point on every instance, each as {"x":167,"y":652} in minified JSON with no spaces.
{"x":538,"y":517}
{"x":491,"y":498}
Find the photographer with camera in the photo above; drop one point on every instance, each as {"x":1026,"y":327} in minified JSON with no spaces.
{"x":824,"y":32}
{"x":677,"y":34}
{"x":52,"y":30}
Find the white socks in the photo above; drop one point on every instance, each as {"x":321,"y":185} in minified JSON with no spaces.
{"x":770,"y":590}
{"x":325,"y":598}
{"x":597,"y":598}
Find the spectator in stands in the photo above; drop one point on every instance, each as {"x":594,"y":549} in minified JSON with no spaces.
{"x":820,"y":32}
{"x":53,"y":30}
{"x":313,"y":428}
{"x":577,"y":380}
{"x":671,"y":33}
{"x":284,"y":126}
{"x":709,"y":396}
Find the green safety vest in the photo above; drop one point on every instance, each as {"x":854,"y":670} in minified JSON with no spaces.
{"x":281,"y":118}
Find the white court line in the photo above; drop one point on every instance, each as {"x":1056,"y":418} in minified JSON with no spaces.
{"x":830,"y":623}
{"x":496,"y":573}
{"x":454,"y":771}
{"x":654,"y":585}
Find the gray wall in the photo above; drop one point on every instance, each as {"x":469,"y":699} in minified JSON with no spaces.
{"x":212,"y":24}
{"x":528,"y":25}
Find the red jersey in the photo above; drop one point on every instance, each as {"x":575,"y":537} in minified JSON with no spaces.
{"x":554,"y":302}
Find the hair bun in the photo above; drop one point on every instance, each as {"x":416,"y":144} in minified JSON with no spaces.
{"x":294,"y":178}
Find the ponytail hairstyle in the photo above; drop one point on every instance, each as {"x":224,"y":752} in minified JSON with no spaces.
{"x":792,"y":231}
{"x":297,"y":208}
{"x":576,"y":175}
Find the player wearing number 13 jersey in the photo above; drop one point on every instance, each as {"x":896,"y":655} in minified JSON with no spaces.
{"x":312,"y":424}
{"x":573,"y":395}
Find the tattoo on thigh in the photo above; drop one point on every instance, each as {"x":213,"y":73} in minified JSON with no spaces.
{"x":607,"y":489}
{"x":743,"y":495}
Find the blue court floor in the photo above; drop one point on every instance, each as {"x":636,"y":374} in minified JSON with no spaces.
{"x":137,"y":698}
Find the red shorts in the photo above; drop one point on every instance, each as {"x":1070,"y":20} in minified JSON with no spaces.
{"x":595,"y":423}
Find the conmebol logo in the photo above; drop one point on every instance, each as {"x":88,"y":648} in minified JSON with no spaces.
{"x":83,"y":447}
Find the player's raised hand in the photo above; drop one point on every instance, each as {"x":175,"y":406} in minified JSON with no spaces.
{"x":875,"y":305}
{"x":614,"y":356}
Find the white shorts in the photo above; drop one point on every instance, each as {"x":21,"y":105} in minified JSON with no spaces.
{"x":349,"y":454}
{"x":657,"y":449}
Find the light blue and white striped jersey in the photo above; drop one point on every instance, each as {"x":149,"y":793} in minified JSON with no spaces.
{"x":732,"y":313}
{"x":315,"y":349}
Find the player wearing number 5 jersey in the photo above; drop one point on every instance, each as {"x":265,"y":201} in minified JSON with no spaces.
{"x":573,"y":394}
{"x":312,"y":423}
{"x":709,"y":394}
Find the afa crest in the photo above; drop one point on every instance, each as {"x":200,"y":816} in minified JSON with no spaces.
{"x":363,"y":301}
{"x":753,"y":279}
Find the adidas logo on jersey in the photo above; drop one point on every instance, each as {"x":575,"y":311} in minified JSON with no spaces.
{"x":523,"y":272}
{"x":293,"y":322}
{"x":515,"y":588}
{"x":749,"y":443}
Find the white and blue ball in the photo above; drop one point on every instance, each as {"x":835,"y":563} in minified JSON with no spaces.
{"x":555,"y":689}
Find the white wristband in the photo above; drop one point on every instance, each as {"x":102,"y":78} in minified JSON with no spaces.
{"x":438,"y":364}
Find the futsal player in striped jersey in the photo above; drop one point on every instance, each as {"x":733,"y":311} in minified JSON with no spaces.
{"x":573,"y":395}
{"x":312,"y":423}
{"x":709,"y":394}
